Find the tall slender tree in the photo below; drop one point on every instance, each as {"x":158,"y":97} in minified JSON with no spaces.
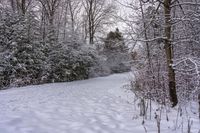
{"x":169,"y":53}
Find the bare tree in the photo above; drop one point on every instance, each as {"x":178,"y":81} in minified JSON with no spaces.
{"x":21,"y":6}
{"x":74,"y":10}
{"x":50,"y":7}
{"x":98,"y":13}
{"x":172,"y":28}
{"x":48,"y":27}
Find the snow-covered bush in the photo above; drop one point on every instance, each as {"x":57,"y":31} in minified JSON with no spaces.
{"x":117,"y":57}
{"x":100,"y":67}
{"x":69,"y":63}
{"x":151,"y":80}
{"x":21,"y":52}
{"x":112,"y":56}
{"x":26,"y":59}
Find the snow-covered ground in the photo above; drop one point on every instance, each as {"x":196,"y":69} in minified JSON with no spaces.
{"x":99,"y":105}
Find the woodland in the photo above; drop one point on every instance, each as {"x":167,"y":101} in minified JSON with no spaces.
{"x":48,"y":41}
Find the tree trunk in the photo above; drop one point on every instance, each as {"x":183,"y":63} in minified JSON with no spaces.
{"x":13,"y":5}
{"x":91,"y":22}
{"x":43,"y":27}
{"x":169,"y":53}
{"x":71,"y":16}
{"x":65,"y":23}
{"x":23,"y":7}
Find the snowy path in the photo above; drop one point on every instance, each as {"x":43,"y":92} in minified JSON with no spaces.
{"x":99,"y":105}
{"x":78,"y":107}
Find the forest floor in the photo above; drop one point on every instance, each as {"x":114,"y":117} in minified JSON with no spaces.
{"x":99,"y":105}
